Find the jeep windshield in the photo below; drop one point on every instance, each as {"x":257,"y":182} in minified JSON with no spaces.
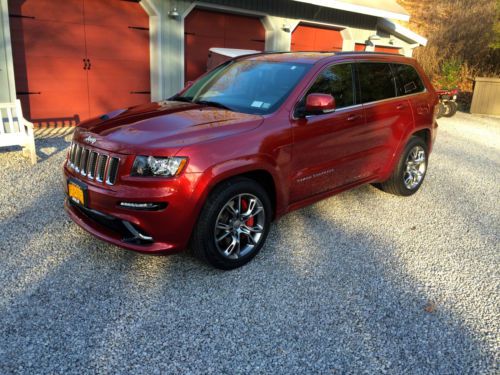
{"x":248,"y":86}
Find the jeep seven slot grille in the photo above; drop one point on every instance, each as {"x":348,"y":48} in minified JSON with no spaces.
{"x":94,"y":165}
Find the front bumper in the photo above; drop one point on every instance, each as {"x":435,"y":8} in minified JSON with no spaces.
{"x":162,"y":231}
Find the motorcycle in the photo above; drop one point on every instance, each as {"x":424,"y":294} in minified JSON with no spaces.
{"x":447,"y":103}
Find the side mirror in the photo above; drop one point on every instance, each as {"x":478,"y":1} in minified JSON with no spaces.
{"x":318,"y":104}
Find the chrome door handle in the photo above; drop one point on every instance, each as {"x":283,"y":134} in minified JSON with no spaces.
{"x":401,"y":106}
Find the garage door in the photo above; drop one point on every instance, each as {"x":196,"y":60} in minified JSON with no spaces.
{"x":359,"y":47}
{"x":206,"y":29}
{"x":394,"y":50}
{"x":314,"y":38}
{"x":76,"y":59}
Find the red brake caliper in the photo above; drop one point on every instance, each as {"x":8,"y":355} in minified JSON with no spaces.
{"x":244,"y":206}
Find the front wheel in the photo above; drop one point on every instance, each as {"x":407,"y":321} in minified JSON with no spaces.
{"x":233,"y":225}
{"x":410,"y":171}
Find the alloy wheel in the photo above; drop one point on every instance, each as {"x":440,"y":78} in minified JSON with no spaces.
{"x":416,"y":165}
{"x":239,"y":227}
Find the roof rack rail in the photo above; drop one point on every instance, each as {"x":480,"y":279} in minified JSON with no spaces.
{"x":366,"y":53}
{"x":325,"y":52}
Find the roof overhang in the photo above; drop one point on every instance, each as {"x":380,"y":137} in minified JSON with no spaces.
{"x":377,"y":8}
{"x":401,"y":31}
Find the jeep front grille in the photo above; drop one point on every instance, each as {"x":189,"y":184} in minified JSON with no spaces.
{"x":93,"y":164}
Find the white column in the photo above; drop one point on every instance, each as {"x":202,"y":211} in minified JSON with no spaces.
{"x":7,"y":79}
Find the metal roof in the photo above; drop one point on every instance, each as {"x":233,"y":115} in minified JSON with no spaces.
{"x":377,"y":8}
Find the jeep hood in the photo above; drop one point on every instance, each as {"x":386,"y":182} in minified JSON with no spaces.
{"x":161,"y":126}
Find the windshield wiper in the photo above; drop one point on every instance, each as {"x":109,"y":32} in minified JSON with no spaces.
{"x":213,"y":104}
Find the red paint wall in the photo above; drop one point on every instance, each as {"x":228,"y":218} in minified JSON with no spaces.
{"x":206,"y":29}
{"x":313,"y":38}
{"x":359,"y":47}
{"x":394,"y":50}
{"x":51,"y":39}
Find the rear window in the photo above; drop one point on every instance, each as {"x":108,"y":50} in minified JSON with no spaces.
{"x":376,"y":81}
{"x":408,"y":80}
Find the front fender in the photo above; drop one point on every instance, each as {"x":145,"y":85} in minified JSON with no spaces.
{"x":218,"y":173}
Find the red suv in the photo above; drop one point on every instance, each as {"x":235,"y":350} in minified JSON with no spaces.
{"x":249,"y":141}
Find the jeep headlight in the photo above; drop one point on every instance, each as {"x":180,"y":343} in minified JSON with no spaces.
{"x":158,"y":166}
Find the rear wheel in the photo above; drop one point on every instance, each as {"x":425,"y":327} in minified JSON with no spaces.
{"x":233,"y":225}
{"x":451,"y":109}
{"x":441,"y":110}
{"x":410,"y":171}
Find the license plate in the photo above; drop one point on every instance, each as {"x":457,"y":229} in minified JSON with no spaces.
{"x":76,"y":193}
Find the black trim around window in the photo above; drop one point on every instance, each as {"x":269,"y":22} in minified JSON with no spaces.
{"x":299,"y":110}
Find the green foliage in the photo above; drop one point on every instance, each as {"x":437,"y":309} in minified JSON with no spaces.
{"x":450,"y":73}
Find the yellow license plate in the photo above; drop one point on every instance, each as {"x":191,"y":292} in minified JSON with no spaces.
{"x":75,"y":193}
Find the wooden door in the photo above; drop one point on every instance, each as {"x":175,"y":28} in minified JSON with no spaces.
{"x":48,"y":43}
{"x":359,"y":47}
{"x":395,"y":50}
{"x":207,"y":29}
{"x":314,"y":38}
{"x":74,"y":59}
{"x":117,"y":36}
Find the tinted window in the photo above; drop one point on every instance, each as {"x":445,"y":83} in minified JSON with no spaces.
{"x":376,"y":82}
{"x":336,"y":80}
{"x":408,"y":80}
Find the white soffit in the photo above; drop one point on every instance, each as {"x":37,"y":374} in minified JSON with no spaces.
{"x":376,"y":8}
{"x":401,"y":31}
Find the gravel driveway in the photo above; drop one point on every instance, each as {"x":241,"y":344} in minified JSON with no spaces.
{"x":363,"y":282}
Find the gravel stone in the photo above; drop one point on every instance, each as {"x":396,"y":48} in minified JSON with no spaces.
{"x":363,"y":282}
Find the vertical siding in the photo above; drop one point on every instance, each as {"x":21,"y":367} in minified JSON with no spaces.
{"x":486,"y":98}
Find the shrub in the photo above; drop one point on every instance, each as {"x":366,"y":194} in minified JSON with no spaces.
{"x":450,"y":73}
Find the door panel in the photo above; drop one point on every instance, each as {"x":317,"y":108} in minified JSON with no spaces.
{"x":387,"y":116}
{"x":119,"y":55}
{"x":324,"y":151}
{"x":112,"y":86}
{"x":48,"y":63}
{"x":49,"y":47}
{"x":313,"y":38}
{"x":67,"y":11}
{"x":38,"y":38}
{"x":58,"y":92}
{"x":195,"y":59}
{"x":385,"y":125}
{"x":115,"y":13}
{"x":205,"y":23}
{"x":359,"y":47}
{"x":133,"y":44}
{"x":394,"y":50}
{"x":207,"y":29}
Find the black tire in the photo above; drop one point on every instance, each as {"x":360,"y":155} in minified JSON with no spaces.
{"x":451,"y":109}
{"x":396,"y":183}
{"x":441,"y":110}
{"x":203,"y":241}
